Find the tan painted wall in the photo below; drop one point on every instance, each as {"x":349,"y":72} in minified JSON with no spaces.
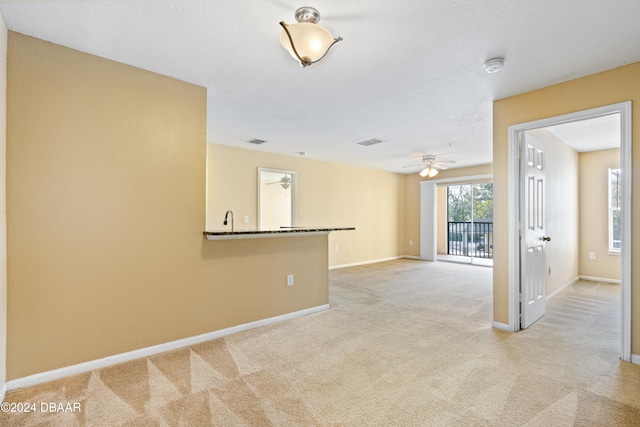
{"x":561,"y":210}
{"x":105,"y":211}
{"x":411,"y":231}
{"x":3,"y":202}
{"x":328,"y":195}
{"x":609,"y":87}
{"x":594,"y":216}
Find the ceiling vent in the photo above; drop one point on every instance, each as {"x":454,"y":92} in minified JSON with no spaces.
{"x":370,"y":142}
{"x":256,"y":141}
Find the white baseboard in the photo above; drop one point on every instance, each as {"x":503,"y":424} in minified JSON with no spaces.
{"x":635,"y":358}
{"x":150,"y":351}
{"x":3,"y":392}
{"x":600,"y":279}
{"x":562,"y":288}
{"x":501,"y":326}
{"x":373,"y":261}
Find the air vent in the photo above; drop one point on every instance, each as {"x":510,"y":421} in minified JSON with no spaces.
{"x":370,"y":142}
{"x":256,"y":141}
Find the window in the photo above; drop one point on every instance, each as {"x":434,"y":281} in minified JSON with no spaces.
{"x":615,"y":202}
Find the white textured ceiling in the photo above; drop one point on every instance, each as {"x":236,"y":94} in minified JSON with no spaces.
{"x":408,"y":72}
{"x":594,"y":134}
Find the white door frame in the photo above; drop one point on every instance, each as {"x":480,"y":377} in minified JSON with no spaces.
{"x":624,"y":109}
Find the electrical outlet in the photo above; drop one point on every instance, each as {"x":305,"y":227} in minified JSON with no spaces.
{"x":410,"y":242}
{"x":246,"y":219}
{"x":290,"y":280}
{"x":592,"y":255}
{"x":336,"y":248}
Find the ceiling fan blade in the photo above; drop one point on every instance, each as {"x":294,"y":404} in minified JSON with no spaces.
{"x":450,"y":162}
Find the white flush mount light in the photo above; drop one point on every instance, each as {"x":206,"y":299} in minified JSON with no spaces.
{"x":307,"y":41}
{"x":494,"y":65}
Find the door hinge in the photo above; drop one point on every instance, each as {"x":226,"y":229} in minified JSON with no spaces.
{"x":521,"y":297}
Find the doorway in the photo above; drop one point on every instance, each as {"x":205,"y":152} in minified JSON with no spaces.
{"x":516,"y":133}
{"x":429,"y":206}
{"x":465,"y":223}
{"x":277,"y":191}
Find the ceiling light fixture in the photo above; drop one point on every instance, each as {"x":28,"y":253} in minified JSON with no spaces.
{"x":494,"y":65}
{"x":307,"y":41}
{"x":428,"y":172}
{"x":432,"y":166}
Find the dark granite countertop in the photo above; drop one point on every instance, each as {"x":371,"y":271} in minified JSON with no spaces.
{"x":284,"y":231}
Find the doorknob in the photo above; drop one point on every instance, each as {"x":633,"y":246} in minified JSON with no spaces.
{"x":546,"y":238}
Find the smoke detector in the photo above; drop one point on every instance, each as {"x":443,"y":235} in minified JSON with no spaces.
{"x":494,"y":65}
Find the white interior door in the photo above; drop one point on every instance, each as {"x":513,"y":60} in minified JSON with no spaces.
{"x":532,"y":262}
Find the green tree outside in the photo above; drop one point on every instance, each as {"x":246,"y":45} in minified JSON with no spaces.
{"x":461,"y":197}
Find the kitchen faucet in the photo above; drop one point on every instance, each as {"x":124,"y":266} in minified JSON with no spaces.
{"x":232,"y":221}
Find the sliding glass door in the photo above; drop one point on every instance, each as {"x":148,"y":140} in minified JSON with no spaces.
{"x":470,"y":220}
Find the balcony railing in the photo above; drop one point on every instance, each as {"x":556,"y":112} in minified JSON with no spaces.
{"x":470,"y":239}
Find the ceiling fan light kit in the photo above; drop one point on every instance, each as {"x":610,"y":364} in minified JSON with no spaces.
{"x":431,"y":166}
{"x":285,"y":182}
{"x":307,"y":41}
{"x":428,"y":172}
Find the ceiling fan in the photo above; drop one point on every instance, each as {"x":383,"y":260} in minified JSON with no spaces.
{"x":285,"y":181}
{"x":431,"y":166}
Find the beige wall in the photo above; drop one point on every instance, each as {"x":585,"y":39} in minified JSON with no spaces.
{"x":594,"y":215}
{"x":411,"y":231}
{"x":105,"y":213}
{"x":561,"y":210}
{"x":328,"y":195}
{"x":3,"y":202}
{"x":609,"y":87}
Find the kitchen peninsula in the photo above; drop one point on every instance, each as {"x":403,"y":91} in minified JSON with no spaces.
{"x":279,"y":273}
{"x":281,"y":232}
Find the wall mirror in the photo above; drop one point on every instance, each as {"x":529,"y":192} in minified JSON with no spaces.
{"x":276,"y":198}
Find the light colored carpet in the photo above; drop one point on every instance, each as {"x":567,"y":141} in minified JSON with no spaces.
{"x":406,"y":343}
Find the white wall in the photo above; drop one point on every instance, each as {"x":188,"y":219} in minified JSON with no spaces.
{"x":275,"y":203}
